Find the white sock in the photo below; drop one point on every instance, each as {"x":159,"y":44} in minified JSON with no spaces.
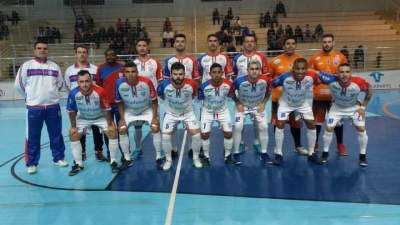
{"x":138,"y":138}
{"x":76,"y":147}
{"x":257,"y":135}
{"x":237,"y":135}
{"x":228,"y":144}
{"x":278,"y":141}
{"x":327,"y":137}
{"x":124,"y":143}
{"x":263,"y":136}
{"x":166,"y":145}
{"x":113,"y":146}
{"x":363,"y":141}
{"x":206,"y":147}
{"x":196,"y":144}
{"x":311,"y":138}
{"x":157,"y":144}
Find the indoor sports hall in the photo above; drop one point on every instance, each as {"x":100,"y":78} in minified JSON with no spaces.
{"x":298,"y":191}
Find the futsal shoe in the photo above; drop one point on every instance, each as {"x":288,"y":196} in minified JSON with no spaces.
{"x":127,"y":163}
{"x":114,"y":167}
{"x":301,"y":150}
{"x":159,"y":163}
{"x":264,"y":158}
{"x":99,"y":156}
{"x":342,"y":150}
{"x":363,"y":160}
{"x":257,"y":148}
{"x":236,"y":158}
{"x":61,"y":163}
{"x":136,"y":154}
{"x":206,"y":162}
{"x":324,"y":158}
{"x":314,"y":158}
{"x":75,"y":170}
{"x":174,"y":154}
{"x":167,"y":165}
{"x":32,"y":170}
{"x":197,"y":163}
{"x":277,"y":160}
{"x":228,"y":160}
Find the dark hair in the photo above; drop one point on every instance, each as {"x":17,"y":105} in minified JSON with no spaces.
{"x":328,"y":35}
{"x":212,"y":35}
{"x":81,"y":46}
{"x":343,"y":64}
{"x":300,"y":60}
{"x":108,"y":50}
{"x":179,"y":35}
{"x":177,"y":66}
{"x":250,"y":35}
{"x":40,"y":41}
{"x":215,"y":65}
{"x":130,"y":64}
{"x":142,"y":39}
{"x":290,"y":38}
{"x":83,"y":73}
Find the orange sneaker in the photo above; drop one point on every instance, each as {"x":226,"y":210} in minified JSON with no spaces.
{"x":342,"y":150}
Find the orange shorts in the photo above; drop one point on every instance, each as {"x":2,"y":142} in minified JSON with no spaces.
{"x":320,"y":108}
{"x":276,"y":94}
{"x":292,"y":119}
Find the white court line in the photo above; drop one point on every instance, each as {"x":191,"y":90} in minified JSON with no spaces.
{"x":171,"y":205}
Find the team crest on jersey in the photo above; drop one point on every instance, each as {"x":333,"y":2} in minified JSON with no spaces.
{"x":290,"y":82}
{"x":336,"y":60}
{"x":206,"y":91}
{"x":277,"y":61}
{"x":169,"y":91}
{"x":125,"y":89}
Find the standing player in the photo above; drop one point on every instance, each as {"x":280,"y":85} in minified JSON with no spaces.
{"x":283,"y":63}
{"x":178,"y":94}
{"x":214,"y":56}
{"x":252,"y":93}
{"x":345,"y":90}
{"x":327,"y":60}
{"x":215,"y":94}
{"x":71,"y":81}
{"x":150,"y":68}
{"x":295,"y":87}
{"x":39,"y":81}
{"x":88,"y":106}
{"x":137,"y":101}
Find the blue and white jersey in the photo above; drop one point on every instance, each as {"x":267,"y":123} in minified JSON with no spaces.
{"x":136,"y":97}
{"x":71,"y":75}
{"x":178,"y":101}
{"x":294,"y":93}
{"x":40,"y":82}
{"x":241,"y":61}
{"x":88,"y":107}
{"x":215,"y":98}
{"x":252,"y":94}
{"x":191,"y":67}
{"x":344,"y":96}
{"x":206,"y":60}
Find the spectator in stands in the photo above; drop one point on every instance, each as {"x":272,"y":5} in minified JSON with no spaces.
{"x":56,"y":34}
{"x":237,"y":24}
{"x":14,"y":18}
{"x":138,"y":25}
{"x":144,"y":35}
{"x":226,"y":23}
{"x":4,"y":31}
{"x":358,"y":57}
{"x":168,"y":36}
{"x":280,"y":32}
{"x":220,"y":35}
{"x":274,"y":20}
{"x":271,"y":33}
{"x":245,"y":32}
{"x":261,"y":20}
{"x":280,"y":9}
{"x":288,"y":31}
{"x":119,"y":25}
{"x":110,"y":33}
{"x":41,"y":34}
{"x":230,"y":48}
{"x":253,"y":33}
{"x":3,"y":17}
{"x":238,"y":37}
{"x":268,"y":19}
{"x":346,"y":53}
{"x":229,"y":14}
{"x":167,"y":25}
{"x":298,"y":33}
{"x":215,"y":16}
{"x":102,"y":34}
{"x":228,"y":38}
{"x":318,"y":32}
{"x":127,"y":25}
{"x":307,"y":33}
{"x":379,"y":58}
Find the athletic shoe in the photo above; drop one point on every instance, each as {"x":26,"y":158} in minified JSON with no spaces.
{"x":190,"y":153}
{"x":127,"y":163}
{"x":174,"y":154}
{"x":301,"y":150}
{"x":342,"y":150}
{"x":61,"y":163}
{"x":114,"y":167}
{"x":99,"y":156}
{"x":324,"y":158}
{"x":75,"y":170}
{"x":264,"y":157}
{"x":228,"y":160}
{"x":363,"y":160}
{"x":314,"y":158}
{"x":197,"y":163}
{"x":257,"y":148}
{"x":159,"y":163}
{"x":206,"y":162}
{"x":167,"y":165}
{"x":242,"y":148}
{"x":32,"y":170}
{"x":136,"y":154}
{"x":236,"y":159}
{"x":277,"y":160}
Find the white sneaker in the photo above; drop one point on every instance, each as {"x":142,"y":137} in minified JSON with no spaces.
{"x":32,"y":170}
{"x":61,"y":163}
{"x":167,"y":165}
{"x":197,"y":163}
{"x":301,"y":150}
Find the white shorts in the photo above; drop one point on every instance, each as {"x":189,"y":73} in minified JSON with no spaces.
{"x":83,"y":124}
{"x":171,"y":121}
{"x":223,"y":118}
{"x":259,"y":117}
{"x":337,"y":113}
{"x":138,"y":119}
{"x":304,"y":110}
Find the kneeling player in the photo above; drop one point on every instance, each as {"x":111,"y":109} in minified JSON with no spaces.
{"x":178,"y":94}
{"x":215,"y":94}
{"x":137,"y":102}
{"x":345,"y":90}
{"x":87,"y":106}
{"x":295,"y":87}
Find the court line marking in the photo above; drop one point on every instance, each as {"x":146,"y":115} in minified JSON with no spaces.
{"x":21,"y":154}
{"x":386,"y":109}
{"x":171,"y":204}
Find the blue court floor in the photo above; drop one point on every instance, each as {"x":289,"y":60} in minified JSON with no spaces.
{"x":295,"y":193}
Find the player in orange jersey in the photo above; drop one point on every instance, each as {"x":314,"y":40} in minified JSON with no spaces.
{"x":327,"y":60}
{"x":281,"y":64}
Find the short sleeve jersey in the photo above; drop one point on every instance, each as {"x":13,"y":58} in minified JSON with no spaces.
{"x":252,"y":94}
{"x":241,"y":60}
{"x":206,"y":60}
{"x":191,"y":66}
{"x":151,"y":68}
{"x":215,"y":98}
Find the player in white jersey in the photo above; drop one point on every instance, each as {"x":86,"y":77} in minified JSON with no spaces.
{"x":87,"y":105}
{"x":345,"y":90}
{"x":71,"y":82}
{"x":178,"y":94}
{"x":215,"y":94}
{"x":252,"y":93}
{"x":137,"y":102}
{"x":296,"y":85}
{"x":151,"y":68}
{"x":214,"y":56}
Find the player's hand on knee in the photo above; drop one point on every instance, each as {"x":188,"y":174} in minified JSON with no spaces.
{"x":122,"y":127}
{"x":73,"y":133}
{"x":261,"y":108}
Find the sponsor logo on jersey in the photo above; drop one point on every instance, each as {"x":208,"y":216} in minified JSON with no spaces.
{"x":125,"y":89}
{"x":277,"y":61}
